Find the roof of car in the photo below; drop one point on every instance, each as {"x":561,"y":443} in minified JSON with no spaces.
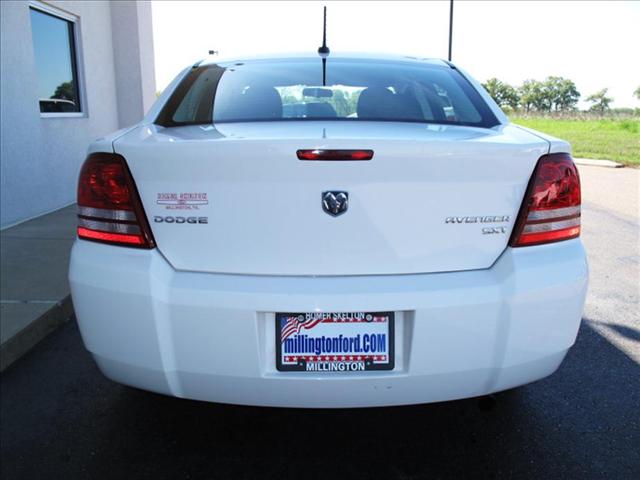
{"x":215,"y":60}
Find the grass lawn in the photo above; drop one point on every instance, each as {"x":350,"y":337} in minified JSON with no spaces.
{"x":606,"y":139}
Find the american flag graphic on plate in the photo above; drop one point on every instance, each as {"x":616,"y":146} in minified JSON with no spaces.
{"x":335,"y":341}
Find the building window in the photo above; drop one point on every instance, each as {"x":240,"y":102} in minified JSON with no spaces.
{"x":54,"y":46}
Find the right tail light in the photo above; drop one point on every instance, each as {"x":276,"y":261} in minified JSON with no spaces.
{"x":109,"y":207}
{"x":550,"y":211}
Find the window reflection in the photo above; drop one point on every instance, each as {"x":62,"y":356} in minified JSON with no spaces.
{"x":54,"y":50}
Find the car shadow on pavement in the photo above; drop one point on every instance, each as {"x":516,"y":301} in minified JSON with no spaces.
{"x":60,"y":417}
{"x":623,"y":330}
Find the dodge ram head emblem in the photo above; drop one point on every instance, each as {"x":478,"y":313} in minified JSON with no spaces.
{"x":335,"y":203}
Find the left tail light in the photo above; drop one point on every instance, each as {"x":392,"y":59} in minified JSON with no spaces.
{"x":109,"y":207}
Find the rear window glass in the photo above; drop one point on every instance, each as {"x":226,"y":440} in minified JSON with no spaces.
{"x":286,"y":90}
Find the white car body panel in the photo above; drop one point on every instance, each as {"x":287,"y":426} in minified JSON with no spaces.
{"x":556,"y":145}
{"x":210,"y":336}
{"x":195,"y":317}
{"x":105,"y":144}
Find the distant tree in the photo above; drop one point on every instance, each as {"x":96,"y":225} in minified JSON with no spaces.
{"x":529,"y":92}
{"x":289,"y":95}
{"x":65,"y":91}
{"x":511,"y":97}
{"x":637,"y":93}
{"x":289,"y":99}
{"x":600,"y":101}
{"x":560,"y":94}
{"x":502,"y":93}
{"x":340,"y":103}
{"x":554,"y":93}
{"x":493,"y":86}
{"x":543,"y":101}
{"x":353,"y":98}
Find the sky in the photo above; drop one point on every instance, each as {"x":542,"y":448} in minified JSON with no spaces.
{"x":594,"y":43}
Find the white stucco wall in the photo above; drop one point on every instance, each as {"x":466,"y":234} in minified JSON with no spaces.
{"x":40,"y":157}
{"x":133,"y":59}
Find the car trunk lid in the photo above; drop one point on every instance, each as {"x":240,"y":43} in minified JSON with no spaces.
{"x":235,"y":198}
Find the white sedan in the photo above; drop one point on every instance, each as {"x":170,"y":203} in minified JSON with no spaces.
{"x":364,"y":231}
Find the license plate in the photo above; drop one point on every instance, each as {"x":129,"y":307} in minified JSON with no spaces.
{"x":334,"y":342}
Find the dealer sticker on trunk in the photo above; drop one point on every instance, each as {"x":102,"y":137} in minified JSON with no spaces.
{"x":334,"y":342}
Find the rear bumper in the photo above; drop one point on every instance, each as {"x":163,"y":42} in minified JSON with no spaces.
{"x":211,"y":336}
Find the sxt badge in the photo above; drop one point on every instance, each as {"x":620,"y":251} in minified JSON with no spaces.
{"x":493,"y":230}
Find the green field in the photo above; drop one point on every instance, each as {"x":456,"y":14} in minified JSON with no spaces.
{"x":607,"y":139}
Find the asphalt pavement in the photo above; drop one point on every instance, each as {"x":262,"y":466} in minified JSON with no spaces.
{"x":61,"y":419}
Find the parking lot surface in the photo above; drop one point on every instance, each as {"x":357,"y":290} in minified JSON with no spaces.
{"x":61,"y":419}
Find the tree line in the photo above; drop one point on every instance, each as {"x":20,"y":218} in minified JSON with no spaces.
{"x":554,"y":94}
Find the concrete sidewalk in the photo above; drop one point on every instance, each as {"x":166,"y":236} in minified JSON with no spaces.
{"x":34,"y":292}
{"x":591,"y":162}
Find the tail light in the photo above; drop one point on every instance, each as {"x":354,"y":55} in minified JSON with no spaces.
{"x":551,"y":208}
{"x":109,"y":207}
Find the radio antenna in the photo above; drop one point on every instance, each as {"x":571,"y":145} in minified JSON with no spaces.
{"x":324,"y":51}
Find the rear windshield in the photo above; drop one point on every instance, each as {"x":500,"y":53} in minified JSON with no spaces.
{"x":352,"y":90}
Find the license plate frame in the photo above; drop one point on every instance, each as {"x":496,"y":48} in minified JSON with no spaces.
{"x":343,"y":364}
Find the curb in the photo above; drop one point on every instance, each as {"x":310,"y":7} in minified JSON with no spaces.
{"x":597,"y":163}
{"x":36,"y":331}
